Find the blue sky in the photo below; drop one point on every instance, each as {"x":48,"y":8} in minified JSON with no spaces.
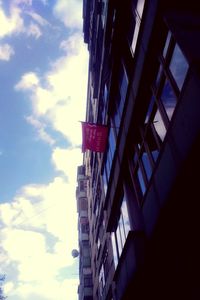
{"x":43,"y":80}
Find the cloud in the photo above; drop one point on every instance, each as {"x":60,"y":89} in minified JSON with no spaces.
{"x":33,"y":30}
{"x":40,"y":129}
{"x":11,"y":24}
{"x":38,"y":18}
{"x":14,"y":22}
{"x":65,"y":160}
{"x":69,"y":12}
{"x":56,"y":96}
{"x":41,"y":221}
{"x":28,"y":81}
{"x":6,"y":51}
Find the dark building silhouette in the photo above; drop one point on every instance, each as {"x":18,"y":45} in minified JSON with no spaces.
{"x":143,"y":191}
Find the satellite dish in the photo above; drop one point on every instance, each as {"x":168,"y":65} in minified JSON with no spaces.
{"x":75,"y":253}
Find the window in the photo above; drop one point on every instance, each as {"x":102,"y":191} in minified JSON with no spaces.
{"x":87,"y":280}
{"x":105,"y":180}
{"x":102,"y":281}
{"x":178,"y":66}
{"x":86,"y":261}
{"x":83,"y":204}
{"x":140,"y":7}
{"x":119,"y":236}
{"x":159,"y":125}
{"x":82,"y":185}
{"x":138,"y":16}
{"x":165,"y":93}
{"x":167,"y":44}
{"x":168,"y":99}
{"x":84,"y":227}
{"x":103,"y":12}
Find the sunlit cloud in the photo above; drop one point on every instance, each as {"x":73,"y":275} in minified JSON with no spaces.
{"x":6,"y":51}
{"x":44,"y":240}
{"x":33,"y":30}
{"x":69,"y":12}
{"x":14,"y":22}
{"x":56,"y":96}
{"x":37,"y":18}
{"x":41,"y":130}
{"x":28,"y":81}
{"x":65,"y":160}
{"x":39,"y":224}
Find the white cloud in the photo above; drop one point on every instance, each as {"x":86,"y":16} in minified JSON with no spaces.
{"x":41,"y":131}
{"x":65,"y":160}
{"x":41,"y":221}
{"x":6,"y":51}
{"x":69,"y":12}
{"x":38,"y":18}
{"x":33,"y":30}
{"x":11,"y":24}
{"x":14,"y":23}
{"x":28,"y":81}
{"x":59,"y":96}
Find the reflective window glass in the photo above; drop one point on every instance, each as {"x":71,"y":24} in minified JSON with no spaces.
{"x":122,"y":232}
{"x":178,"y":66}
{"x":119,"y":241}
{"x":155,"y":154}
{"x":150,"y":108}
{"x":125,"y":215}
{"x":105,"y":181}
{"x":168,"y":99}
{"x":135,"y":36}
{"x":115,"y":255}
{"x":159,"y":125}
{"x":158,"y":75}
{"x":147,"y":165}
{"x":167,"y":43}
{"x":123,"y":92}
{"x":141,"y":181}
{"x":140,"y":7}
{"x":112,"y":142}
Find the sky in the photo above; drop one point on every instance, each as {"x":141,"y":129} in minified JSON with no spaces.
{"x":43,"y":80}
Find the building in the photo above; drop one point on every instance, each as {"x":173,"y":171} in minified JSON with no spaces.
{"x":143,"y":195}
{"x":85,"y":272}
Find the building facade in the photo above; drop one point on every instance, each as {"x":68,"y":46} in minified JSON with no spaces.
{"x":143,"y":196}
{"x":85,"y":289}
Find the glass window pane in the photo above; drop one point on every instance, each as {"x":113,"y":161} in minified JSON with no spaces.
{"x":123,"y":91}
{"x":140,"y":7}
{"x":141,"y":181}
{"x":135,"y":36}
{"x":119,"y":241}
{"x":150,"y":108}
{"x":112,"y":142}
{"x":115,"y":255}
{"x":168,"y":99}
{"x":124,"y":211}
{"x":146,"y":164}
{"x":105,"y":181}
{"x":159,"y":125}
{"x":155,"y":154}
{"x":166,"y":44}
{"x":122,"y":232}
{"x":158,"y":75}
{"x":178,"y":66}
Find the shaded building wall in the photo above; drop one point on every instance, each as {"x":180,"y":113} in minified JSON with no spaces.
{"x":143,"y":82}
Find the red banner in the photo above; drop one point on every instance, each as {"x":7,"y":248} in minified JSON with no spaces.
{"x":94,"y":137}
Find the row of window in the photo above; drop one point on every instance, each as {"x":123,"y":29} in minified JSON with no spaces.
{"x":119,"y":235}
{"x":166,"y":92}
